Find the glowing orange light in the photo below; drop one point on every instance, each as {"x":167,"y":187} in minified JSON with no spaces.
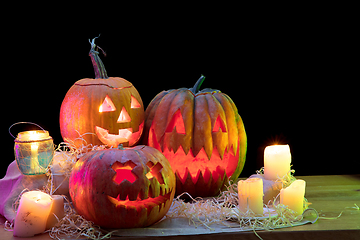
{"x":219,"y":124}
{"x":123,"y":172}
{"x":124,"y":116}
{"x":178,"y":122}
{"x":155,"y":171}
{"x":107,"y":105}
{"x":125,"y":135}
{"x":134,"y":103}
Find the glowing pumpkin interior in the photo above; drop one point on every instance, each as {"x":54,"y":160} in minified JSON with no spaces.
{"x":176,"y":123}
{"x":200,"y":165}
{"x":126,"y":134}
{"x":124,"y":174}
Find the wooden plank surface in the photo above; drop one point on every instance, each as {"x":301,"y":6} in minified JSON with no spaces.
{"x":329,"y":195}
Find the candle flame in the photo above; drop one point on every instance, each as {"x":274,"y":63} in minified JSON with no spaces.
{"x":34,"y":135}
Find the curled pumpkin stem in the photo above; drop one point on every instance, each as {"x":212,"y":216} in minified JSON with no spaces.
{"x":99,"y":68}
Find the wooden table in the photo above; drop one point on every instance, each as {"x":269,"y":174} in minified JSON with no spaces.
{"x":329,"y":195}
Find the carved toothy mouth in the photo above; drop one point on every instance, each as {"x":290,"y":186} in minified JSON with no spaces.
{"x":125,"y":135}
{"x":149,"y":203}
{"x":215,"y":167}
{"x":157,"y":194}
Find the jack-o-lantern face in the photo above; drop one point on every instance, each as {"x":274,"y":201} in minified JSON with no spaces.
{"x":201,"y":134}
{"x":122,"y":188}
{"x":102,"y":110}
{"x":111,"y":108}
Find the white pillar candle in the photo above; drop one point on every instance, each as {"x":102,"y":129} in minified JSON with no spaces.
{"x":32,"y":214}
{"x":277,"y":159}
{"x":251,"y":195}
{"x":56,"y":209}
{"x":293,"y":196}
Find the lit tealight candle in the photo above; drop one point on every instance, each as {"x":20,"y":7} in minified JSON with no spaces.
{"x":32,"y":214}
{"x":277,"y":159}
{"x":34,"y":151}
{"x":293,"y":196}
{"x":251,"y":195}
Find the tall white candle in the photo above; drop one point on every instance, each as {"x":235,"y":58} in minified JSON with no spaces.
{"x":293,"y":196}
{"x":277,"y":159}
{"x":251,"y":195}
{"x":32,"y":214}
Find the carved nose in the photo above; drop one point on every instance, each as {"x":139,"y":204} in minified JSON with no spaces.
{"x":124,"y":116}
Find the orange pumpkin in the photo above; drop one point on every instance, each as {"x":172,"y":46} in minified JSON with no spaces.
{"x":110,"y":109}
{"x":201,"y":134}
{"x":122,"y":187}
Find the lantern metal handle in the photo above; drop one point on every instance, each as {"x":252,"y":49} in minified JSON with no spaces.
{"x":24,"y":123}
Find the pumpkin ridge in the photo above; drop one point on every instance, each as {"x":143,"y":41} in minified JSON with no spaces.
{"x":210,"y":138}
{"x":98,"y":199}
{"x":202,"y":132}
{"x":231,"y":120}
{"x":219,"y":139}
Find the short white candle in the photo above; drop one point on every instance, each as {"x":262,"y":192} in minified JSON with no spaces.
{"x":293,"y":196}
{"x":56,"y":209}
{"x":32,"y":214}
{"x":251,"y":195}
{"x":277,"y":159}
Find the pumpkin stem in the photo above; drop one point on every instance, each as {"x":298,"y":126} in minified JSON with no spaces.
{"x":197,"y":85}
{"x":98,"y":65}
{"x":120,"y":147}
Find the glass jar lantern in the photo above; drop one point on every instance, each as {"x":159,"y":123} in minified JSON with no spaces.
{"x":34,"y":151}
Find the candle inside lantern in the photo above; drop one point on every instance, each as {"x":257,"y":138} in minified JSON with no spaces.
{"x":34,"y":136}
{"x":277,"y":159}
{"x":251,"y":195}
{"x":293,"y":196}
{"x":32,"y":214}
{"x":34,"y":155}
{"x":34,"y":151}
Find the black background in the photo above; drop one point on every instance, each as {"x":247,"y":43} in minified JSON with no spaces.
{"x":291,"y":74}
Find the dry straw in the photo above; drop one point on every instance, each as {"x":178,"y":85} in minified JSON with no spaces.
{"x":73,"y":224}
{"x":217,"y":210}
{"x":199,"y":211}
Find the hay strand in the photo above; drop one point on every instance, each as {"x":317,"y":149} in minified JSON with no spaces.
{"x":199,"y":211}
{"x":220,"y":209}
{"x":74,"y":225}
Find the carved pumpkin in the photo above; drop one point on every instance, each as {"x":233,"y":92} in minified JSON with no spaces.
{"x":122,"y":187}
{"x":201,"y":134}
{"x":110,"y":108}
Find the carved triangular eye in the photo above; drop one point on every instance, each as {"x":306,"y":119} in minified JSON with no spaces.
{"x":178,"y":122}
{"x":219,"y":124}
{"x":107,"y":105}
{"x":124,"y":116}
{"x":134,"y":103}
